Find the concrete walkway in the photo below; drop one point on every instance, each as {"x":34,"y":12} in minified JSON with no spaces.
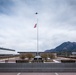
{"x":56,"y":61}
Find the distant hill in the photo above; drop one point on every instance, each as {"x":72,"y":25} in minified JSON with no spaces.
{"x":66,"y":46}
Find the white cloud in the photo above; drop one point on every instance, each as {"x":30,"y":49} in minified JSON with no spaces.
{"x":56,"y":24}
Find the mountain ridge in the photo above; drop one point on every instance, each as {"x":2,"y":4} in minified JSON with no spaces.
{"x":65,"y":46}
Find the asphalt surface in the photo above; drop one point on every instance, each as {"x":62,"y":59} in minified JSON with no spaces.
{"x":12,"y":60}
{"x":35,"y":67}
{"x":37,"y":73}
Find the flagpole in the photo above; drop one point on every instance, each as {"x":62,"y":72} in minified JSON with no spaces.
{"x":37,"y":35}
{"x":37,"y":38}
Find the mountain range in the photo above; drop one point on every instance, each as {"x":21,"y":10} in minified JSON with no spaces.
{"x":66,"y":46}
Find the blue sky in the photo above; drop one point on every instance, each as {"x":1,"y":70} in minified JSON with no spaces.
{"x":56,"y":23}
